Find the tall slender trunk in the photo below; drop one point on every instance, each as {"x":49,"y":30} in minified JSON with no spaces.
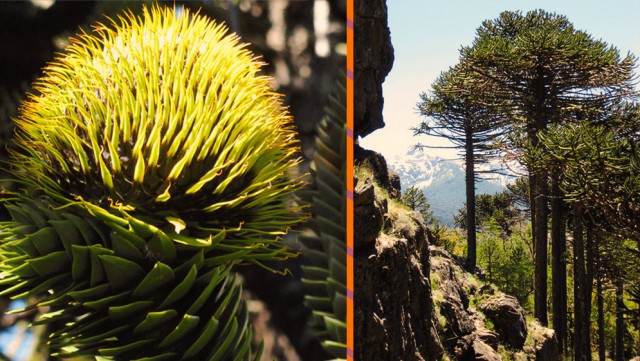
{"x":470,"y":183}
{"x":539,"y":118}
{"x":540,"y":230}
{"x":558,"y":264}
{"x":532,"y":207}
{"x":588,"y":282}
{"x":581,"y":353}
{"x":619,"y":354}
{"x":600,"y":304}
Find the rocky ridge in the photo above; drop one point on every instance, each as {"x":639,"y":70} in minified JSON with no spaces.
{"x":414,"y":301}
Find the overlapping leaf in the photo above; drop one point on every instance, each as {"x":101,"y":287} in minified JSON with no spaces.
{"x":325,"y":245}
{"x":158,"y":159}
{"x":119,"y":290}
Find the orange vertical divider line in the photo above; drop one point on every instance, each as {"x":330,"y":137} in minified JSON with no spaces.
{"x":349,"y":180}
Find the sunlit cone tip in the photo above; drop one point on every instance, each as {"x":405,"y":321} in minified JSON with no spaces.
{"x":167,"y":113}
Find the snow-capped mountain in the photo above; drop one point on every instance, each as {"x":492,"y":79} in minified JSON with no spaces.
{"x":443,"y":181}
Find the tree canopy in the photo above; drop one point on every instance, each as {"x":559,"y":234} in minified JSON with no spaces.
{"x":561,"y":103}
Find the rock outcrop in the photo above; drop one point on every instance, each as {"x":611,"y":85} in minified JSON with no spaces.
{"x":394,"y":314}
{"x":414,"y":301}
{"x":543,"y":346}
{"x":373,"y":61}
{"x":507,"y":317}
{"x":386,"y":178}
{"x":478,"y":322}
{"x":369,"y":211}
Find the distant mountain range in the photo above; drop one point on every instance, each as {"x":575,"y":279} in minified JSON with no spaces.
{"x":443,"y":181}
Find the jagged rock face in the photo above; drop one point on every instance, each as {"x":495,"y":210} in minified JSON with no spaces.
{"x":484,"y":352}
{"x":463,"y":327}
{"x":394,"y":182}
{"x":545,"y":347}
{"x":394,"y":316}
{"x":393,"y":311}
{"x":369,"y":211}
{"x":412,"y":228}
{"x":413,"y":302}
{"x":373,"y":61}
{"x":386,"y":178}
{"x":508,"y":318}
{"x":454,"y":306}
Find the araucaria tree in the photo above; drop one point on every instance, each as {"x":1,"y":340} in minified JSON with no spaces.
{"x":452,"y":112}
{"x":542,"y":71}
{"x":154,"y":159}
{"x":602,"y":183}
{"x":415,"y":199}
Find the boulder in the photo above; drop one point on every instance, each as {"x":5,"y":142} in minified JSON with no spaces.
{"x":544,"y":344}
{"x":508,"y":317}
{"x":458,"y":321}
{"x":484,"y":352}
{"x":369,"y":211}
{"x":394,"y":183}
{"x":385,"y":178}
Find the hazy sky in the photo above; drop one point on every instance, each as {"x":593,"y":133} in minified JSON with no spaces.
{"x":427,"y":35}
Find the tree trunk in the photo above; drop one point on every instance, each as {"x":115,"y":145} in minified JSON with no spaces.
{"x":540,"y":231}
{"x":470,"y":183}
{"x":619,"y":354}
{"x":558,"y":265}
{"x":588,"y":283}
{"x":600,"y":303}
{"x":532,"y":207}
{"x":581,"y":351}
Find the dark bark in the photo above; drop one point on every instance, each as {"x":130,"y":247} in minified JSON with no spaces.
{"x":539,"y":115}
{"x":558,"y":265}
{"x":600,"y":305}
{"x":532,"y":205}
{"x":588,"y":282}
{"x":540,"y":230}
{"x":580,"y":347}
{"x":619,"y":350}
{"x":471,"y":202}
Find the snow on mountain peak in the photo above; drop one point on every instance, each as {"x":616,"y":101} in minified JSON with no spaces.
{"x":443,"y":181}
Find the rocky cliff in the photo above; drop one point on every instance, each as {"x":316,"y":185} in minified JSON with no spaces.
{"x":394,"y":315}
{"x":415,"y":302}
{"x":373,"y":61}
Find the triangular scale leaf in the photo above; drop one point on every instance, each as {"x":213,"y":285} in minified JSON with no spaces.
{"x":116,"y":267}
{"x":159,"y":276}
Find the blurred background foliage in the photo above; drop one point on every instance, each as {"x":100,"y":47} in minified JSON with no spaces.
{"x":303,"y":44}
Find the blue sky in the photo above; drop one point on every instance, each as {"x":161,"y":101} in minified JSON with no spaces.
{"x":427,"y":34}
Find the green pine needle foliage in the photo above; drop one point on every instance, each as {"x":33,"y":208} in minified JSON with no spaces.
{"x":156,"y":158}
{"x":325,"y":246}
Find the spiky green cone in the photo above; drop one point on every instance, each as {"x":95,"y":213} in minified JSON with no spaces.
{"x":324,"y":275}
{"x":164,"y":118}
{"x":110,"y":300}
{"x":161,"y":159}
